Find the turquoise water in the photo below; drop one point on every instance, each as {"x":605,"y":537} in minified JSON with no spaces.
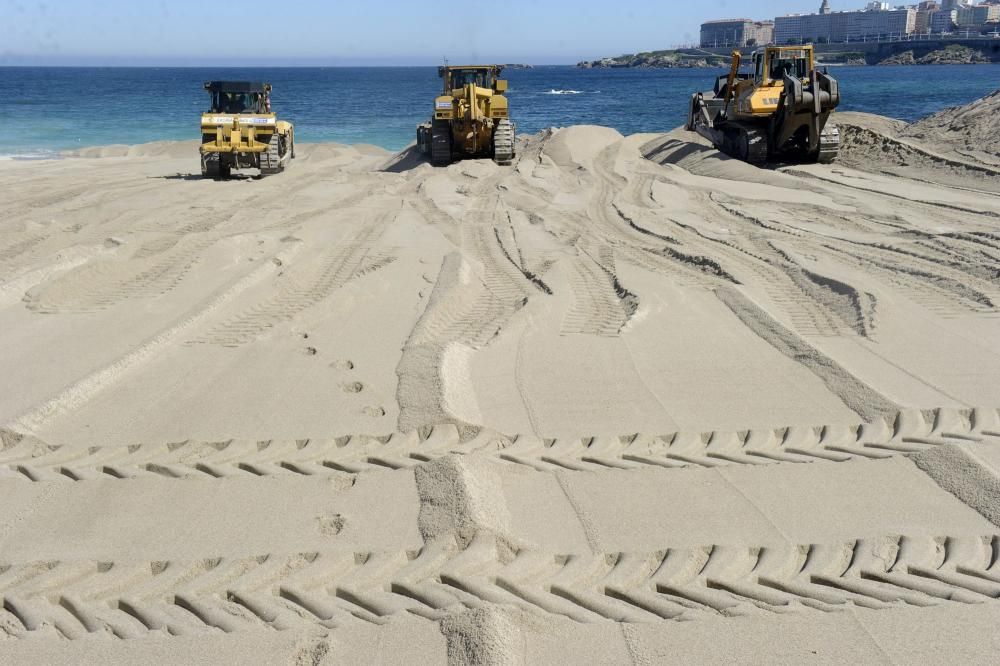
{"x":48,"y":109}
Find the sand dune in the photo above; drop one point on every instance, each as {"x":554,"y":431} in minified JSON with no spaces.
{"x":626,"y":400}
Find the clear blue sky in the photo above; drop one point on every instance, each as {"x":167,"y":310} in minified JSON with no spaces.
{"x":372,"y":32}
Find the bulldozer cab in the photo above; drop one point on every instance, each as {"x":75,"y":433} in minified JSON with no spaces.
{"x":774,"y":63}
{"x":481,"y":76}
{"x":234,"y":97}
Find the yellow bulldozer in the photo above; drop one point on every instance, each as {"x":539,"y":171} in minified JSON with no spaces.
{"x":241,"y":132}
{"x":470,"y":118}
{"x":778,"y":111}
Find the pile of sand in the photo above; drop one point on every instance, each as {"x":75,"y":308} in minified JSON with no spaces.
{"x":959,"y":145}
{"x":579,"y":144}
{"x":972,"y":130}
{"x":176,"y":149}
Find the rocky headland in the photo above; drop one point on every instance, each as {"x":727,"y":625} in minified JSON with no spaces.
{"x":658,"y":60}
{"x":955,"y":54}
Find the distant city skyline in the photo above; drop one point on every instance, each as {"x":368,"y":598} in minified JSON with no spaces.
{"x":390,"y":32}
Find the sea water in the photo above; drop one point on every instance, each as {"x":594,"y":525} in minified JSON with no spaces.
{"x":44,"y":110}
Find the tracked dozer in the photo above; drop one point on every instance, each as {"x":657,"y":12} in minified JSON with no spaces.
{"x":777,"y":112}
{"x":471,"y":117}
{"x":241,"y":132}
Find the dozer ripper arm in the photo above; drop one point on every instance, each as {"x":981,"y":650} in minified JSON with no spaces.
{"x":805,"y":105}
{"x":734,"y":71}
{"x":473,"y":95}
{"x":472,"y":101}
{"x":830,"y":86}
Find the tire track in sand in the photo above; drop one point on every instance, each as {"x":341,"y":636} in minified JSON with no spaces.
{"x":858,"y":396}
{"x":443,"y":582}
{"x":475,"y":294}
{"x":83,"y":390}
{"x":305,"y":288}
{"x":908,"y":433}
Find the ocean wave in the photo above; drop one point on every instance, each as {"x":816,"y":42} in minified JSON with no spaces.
{"x":564,"y":92}
{"x":31,"y":156}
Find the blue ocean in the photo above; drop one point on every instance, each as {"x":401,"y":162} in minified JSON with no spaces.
{"x":44,"y":110}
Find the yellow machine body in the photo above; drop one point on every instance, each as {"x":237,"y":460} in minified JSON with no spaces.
{"x":778,"y":111}
{"x":240,"y":133}
{"x":240,"y":130}
{"x":759,"y":96}
{"x":473,"y":111}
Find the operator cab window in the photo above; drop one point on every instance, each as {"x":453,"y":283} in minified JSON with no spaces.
{"x":758,"y":67}
{"x":795,"y":67}
{"x":223,"y":102}
{"x":462,"y":78}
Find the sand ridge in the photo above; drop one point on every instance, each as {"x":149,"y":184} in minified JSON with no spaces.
{"x":625,"y":400}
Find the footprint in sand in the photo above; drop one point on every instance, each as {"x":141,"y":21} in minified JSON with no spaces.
{"x":342,"y":365}
{"x":330,"y":525}
{"x":374,"y":411}
{"x":354,"y":387}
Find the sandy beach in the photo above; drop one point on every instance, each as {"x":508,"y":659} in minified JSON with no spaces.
{"x":625,"y":401}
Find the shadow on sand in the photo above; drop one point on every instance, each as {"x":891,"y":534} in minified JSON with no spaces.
{"x":198,"y":176}
{"x":408,"y":159}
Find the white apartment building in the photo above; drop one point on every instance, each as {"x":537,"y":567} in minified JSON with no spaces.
{"x":877,"y":20}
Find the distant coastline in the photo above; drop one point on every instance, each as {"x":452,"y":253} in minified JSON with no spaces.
{"x":669,"y":59}
{"x":939,"y":52}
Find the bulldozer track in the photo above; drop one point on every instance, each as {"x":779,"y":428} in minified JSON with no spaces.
{"x":938,"y":254}
{"x":18,"y":254}
{"x":941,"y":294}
{"x":601,"y":306}
{"x":473,"y":313}
{"x":503,"y":142}
{"x":812,"y":307}
{"x":12,"y":250}
{"x":502,"y":278}
{"x":155,"y":269}
{"x":937,"y":206}
{"x":339,"y":265}
{"x":95,"y":286}
{"x":913,"y":431}
{"x":80,"y":599}
{"x":617,"y":227}
{"x":507,"y":231}
{"x":270,"y":160}
{"x":829,"y":145}
{"x":440,"y":143}
{"x":84,"y":389}
{"x":943,"y":286}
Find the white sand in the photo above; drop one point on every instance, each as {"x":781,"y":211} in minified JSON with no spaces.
{"x":626,"y":400}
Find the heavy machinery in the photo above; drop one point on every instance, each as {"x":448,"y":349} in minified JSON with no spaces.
{"x":241,"y":132}
{"x":471,"y":117}
{"x":776,"y":112}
